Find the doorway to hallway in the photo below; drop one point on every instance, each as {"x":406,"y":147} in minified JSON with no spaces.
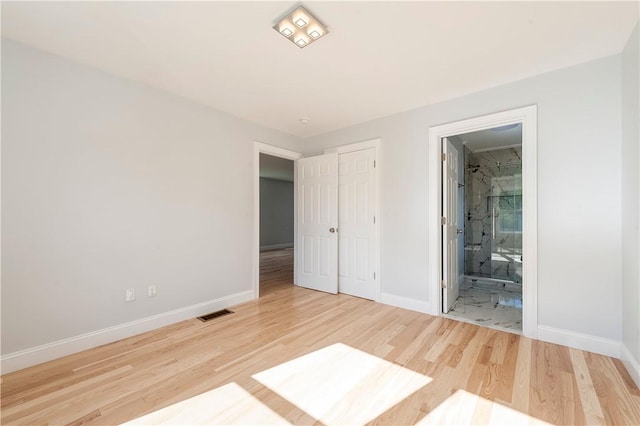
{"x":277,"y":220}
{"x":274,"y":217}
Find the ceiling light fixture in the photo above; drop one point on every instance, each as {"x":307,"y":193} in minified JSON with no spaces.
{"x":301,"y":27}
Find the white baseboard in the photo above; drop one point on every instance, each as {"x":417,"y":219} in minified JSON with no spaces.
{"x":632,"y":364}
{"x":405,"y":302}
{"x":49,"y":351}
{"x":585,"y":342}
{"x":276,"y":246}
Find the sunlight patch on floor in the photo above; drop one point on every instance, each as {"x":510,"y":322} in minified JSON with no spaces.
{"x":229,"y":405}
{"x":342,"y":385}
{"x":465,"y":408}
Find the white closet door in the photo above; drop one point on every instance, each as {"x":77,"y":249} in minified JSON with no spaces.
{"x":357,"y":228}
{"x":317,"y":246}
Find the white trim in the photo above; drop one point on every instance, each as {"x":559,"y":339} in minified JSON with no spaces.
{"x":263,"y":148}
{"x":276,"y":151}
{"x":276,"y":246}
{"x":632,"y":364}
{"x":528,"y":117}
{"x":47,"y":352}
{"x":352,"y":147}
{"x":359,"y":146}
{"x":405,"y":303}
{"x":585,"y":342}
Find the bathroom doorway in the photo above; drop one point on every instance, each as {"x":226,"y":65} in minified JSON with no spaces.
{"x":442,"y":245}
{"x":488,"y":258}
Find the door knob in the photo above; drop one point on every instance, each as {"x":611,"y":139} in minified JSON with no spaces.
{"x":332,"y":230}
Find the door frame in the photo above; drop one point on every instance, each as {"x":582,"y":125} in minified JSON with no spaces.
{"x":263,"y":148}
{"x":528,"y":117}
{"x":359,"y":146}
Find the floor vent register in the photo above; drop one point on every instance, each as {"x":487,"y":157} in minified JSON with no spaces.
{"x":213,"y":315}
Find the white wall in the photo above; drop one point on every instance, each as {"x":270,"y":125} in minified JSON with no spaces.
{"x":631,"y":204}
{"x":109,"y":184}
{"x":579,"y":158}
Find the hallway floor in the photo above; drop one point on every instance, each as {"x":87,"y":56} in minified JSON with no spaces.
{"x":276,"y":270}
{"x":489,"y":307}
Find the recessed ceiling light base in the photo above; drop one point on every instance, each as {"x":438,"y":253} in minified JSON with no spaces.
{"x":301,"y":27}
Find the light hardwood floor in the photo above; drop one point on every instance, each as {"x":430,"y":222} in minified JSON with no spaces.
{"x":276,"y":270}
{"x":303,"y":357}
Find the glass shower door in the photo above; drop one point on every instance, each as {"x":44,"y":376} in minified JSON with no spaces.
{"x":505,"y":208}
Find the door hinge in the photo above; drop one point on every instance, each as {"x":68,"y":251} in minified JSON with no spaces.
{"x":443,"y":157}
{"x":374,"y":275}
{"x":443,"y":220}
{"x":374,"y":164}
{"x":374,"y":220}
{"x":443,"y":284}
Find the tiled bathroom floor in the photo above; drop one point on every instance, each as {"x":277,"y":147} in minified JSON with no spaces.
{"x":490,"y":307}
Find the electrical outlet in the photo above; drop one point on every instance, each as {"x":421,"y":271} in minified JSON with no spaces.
{"x":130,"y":295}
{"x":151,"y":291}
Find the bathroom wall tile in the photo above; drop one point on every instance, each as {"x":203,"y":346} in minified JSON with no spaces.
{"x":489,"y":175}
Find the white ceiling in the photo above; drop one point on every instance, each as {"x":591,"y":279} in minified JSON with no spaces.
{"x":496,"y":138}
{"x":379,"y":58}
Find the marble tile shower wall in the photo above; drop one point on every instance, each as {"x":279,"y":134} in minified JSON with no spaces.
{"x":493,"y":209}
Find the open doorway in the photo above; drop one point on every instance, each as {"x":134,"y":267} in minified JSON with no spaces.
{"x":276,"y":223}
{"x":482,"y":239}
{"x":275,"y":212}
{"x":443,"y":244}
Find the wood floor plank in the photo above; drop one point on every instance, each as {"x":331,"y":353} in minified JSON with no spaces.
{"x":617,"y":403}
{"x":590,"y":403}
{"x":465,"y":374}
{"x":626,"y":377}
{"x":546,"y":396}
{"x":507,"y":369}
{"x":522,"y":376}
{"x":571,"y":398}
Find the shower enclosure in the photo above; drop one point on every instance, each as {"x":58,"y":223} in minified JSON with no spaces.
{"x":493,"y":209}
